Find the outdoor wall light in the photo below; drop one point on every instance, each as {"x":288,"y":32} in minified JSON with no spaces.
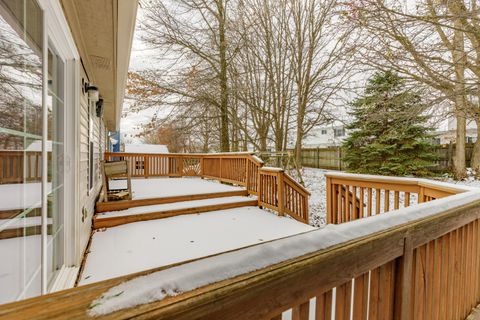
{"x":99,"y":107}
{"x":93,"y":94}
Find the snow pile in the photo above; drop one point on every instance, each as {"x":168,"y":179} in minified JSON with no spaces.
{"x":183,"y":278}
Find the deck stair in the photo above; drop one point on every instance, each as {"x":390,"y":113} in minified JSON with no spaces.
{"x":164,"y":208}
{"x":127,"y":204}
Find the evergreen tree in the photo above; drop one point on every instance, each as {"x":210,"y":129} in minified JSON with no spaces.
{"x":389,"y":134}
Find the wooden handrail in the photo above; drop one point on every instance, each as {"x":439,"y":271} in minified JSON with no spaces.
{"x":370,"y":195}
{"x":399,"y":270}
{"x":282,"y":194}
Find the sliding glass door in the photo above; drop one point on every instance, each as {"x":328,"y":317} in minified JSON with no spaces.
{"x":30,"y":258}
{"x":55,"y":141}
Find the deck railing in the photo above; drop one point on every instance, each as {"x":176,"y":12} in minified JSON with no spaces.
{"x":278,"y":191}
{"x":421,"y":263}
{"x":239,"y":168}
{"x":20,"y":166}
{"x":351,"y":197}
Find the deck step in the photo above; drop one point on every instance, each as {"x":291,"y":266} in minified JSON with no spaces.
{"x":126,"y":204}
{"x":151,"y":212}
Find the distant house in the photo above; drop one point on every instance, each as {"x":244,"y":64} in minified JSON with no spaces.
{"x":326,"y":136}
{"x":446,"y":133}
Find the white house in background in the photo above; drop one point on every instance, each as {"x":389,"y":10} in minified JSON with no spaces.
{"x":146,"y":148}
{"x":446,"y":132}
{"x":63,"y":72}
{"x":326,"y":136}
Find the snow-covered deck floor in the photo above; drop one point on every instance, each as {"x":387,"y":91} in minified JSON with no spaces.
{"x":149,"y":244}
{"x":171,"y":187}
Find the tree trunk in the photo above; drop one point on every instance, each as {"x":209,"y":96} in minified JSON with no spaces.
{"x":224,"y":136}
{"x":475,"y":160}
{"x":459,"y":167}
{"x":298,"y":146}
{"x":458,"y":55}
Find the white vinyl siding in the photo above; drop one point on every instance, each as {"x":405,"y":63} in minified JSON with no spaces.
{"x":88,"y":197}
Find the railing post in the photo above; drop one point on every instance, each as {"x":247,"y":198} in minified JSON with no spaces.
{"x":329,"y":200}
{"x":281,"y":194}
{"x":403,"y":281}
{"x":259,"y":187}
{"x":421,"y":194}
{"x":201,"y":166}
{"x":146,"y":159}
{"x":247,"y":174}
{"x":221,"y":163}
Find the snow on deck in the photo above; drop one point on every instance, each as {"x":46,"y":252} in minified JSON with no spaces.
{"x":149,"y":244}
{"x":173,"y":206}
{"x":171,"y":187}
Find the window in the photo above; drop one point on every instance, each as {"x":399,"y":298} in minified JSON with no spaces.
{"x":338,"y":132}
{"x":324,"y":131}
{"x":21,"y":144}
{"x":471,"y":139}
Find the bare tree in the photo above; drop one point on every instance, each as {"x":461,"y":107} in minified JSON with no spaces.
{"x":425,"y":43}
{"x":193,"y":33}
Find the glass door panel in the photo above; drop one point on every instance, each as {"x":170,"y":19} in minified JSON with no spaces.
{"x":21,"y":39}
{"x":55,"y":105}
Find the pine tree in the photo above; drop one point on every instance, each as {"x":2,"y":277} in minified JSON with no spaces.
{"x":389,"y":133}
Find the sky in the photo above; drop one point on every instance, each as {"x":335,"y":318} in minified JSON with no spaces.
{"x":140,"y":58}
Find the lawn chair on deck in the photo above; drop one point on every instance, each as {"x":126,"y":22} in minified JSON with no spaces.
{"x":115,"y":170}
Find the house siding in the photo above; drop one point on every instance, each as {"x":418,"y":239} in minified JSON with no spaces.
{"x":89,"y":197}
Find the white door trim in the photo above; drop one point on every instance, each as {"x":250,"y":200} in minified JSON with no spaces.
{"x":58,"y":33}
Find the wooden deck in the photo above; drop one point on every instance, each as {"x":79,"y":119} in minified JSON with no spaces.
{"x":394,"y":248}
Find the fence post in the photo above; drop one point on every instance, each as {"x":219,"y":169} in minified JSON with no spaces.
{"x":201,"y":167}
{"x":281,"y":194}
{"x":403,"y":281}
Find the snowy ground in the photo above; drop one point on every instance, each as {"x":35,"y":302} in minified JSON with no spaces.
{"x":171,"y":187}
{"x":470,"y":181}
{"x":144,"y":245}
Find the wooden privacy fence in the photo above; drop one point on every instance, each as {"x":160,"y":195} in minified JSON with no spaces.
{"x":427,"y":267}
{"x":275,"y":188}
{"x":332,"y":158}
{"x":20,"y":166}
